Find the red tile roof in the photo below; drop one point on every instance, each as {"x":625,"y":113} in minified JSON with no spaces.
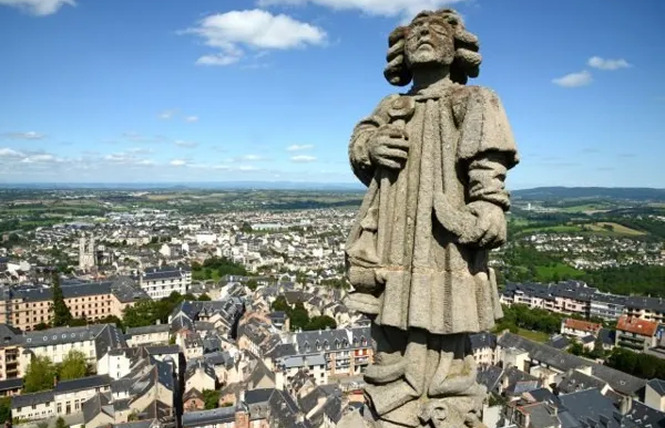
{"x":637,"y":326}
{"x":589,"y":327}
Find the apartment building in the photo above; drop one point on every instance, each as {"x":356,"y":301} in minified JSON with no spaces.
{"x":161,"y":282}
{"x":10,"y":350}
{"x":26,"y":307}
{"x":66,"y":398}
{"x":93,"y":341}
{"x":579,"y":328}
{"x":347,"y":352}
{"x":577,"y":298}
{"x":636,"y":334}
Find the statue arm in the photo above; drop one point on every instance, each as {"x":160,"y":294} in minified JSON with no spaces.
{"x":488,"y":149}
{"x":488,"y":198}
{"x":363,"y":135}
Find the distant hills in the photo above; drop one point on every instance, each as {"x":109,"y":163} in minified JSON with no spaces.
{"x":227,"y":185}
{"x":641,"y":194}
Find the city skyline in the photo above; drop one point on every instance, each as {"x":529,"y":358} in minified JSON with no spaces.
{"x":270,"y":90}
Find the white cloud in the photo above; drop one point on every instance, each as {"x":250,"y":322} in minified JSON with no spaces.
{"x":303,"y":159}
{"x":373,"y":7}
{"x":167,"y":114}
{"x":574,"y":80}
{"x":135,"y":137}
{"x":245,"y":168}
{"x":30,"y":135}
{"x":608,"y":64}
{"x":38,"y":7}
{"x":299,"y":147}
{"x":192,"y":119}
{"x":218,"y":59}
{"x":6,"y":152}
{"x":187,"y":144}
{"x":230,"y":32}
{"x":252,"y":158}
{"x":178,"y":162}
{"x":40,"y":158}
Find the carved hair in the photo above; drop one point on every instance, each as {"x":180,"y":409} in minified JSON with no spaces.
{"x":467,"y":59}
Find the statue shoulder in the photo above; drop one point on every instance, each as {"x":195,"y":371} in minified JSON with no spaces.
{"x":466,"y":98}
{"x":387,"y":102}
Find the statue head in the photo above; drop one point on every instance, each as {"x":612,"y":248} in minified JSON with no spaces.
{"x":432,"y":39}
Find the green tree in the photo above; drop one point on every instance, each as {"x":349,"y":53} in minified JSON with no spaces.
{"x":41,"y":326}
{"x":211,"y":399}
{"x":204,"y":298}
{"x":60,"y":423}
{"x":576,"y":348}
{"x":142,"y":314}
{"x":321,"y":323}
{"x":299,"y":317}
{"x":189,"y":297}
{"x":5,"y":409}
{"x":280,"y":304}
{"x":40,"y":375}
{"x":252,"y":284}
{"x":73,"y":366}
{"x":61,"y":314}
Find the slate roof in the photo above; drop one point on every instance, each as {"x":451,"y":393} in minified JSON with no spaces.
{"x":200,"y":365}
{"x":645,"y":416}
{"x":82,"y":383}
{"x":619,"y":381}
{"x":558,"y":341}
{"x":150,"y":329}
{"x":167,"y":272}
{"x":41,"y":294}
{"x":35,"y":398}
{"x":283,"y":409}
{"x":482,"y":340}
{"x":11,"y":384}
{"x":95,"y":405}
{"x":589,"y":405}
{"x":580,"y":291}
{"x":219,"y":359}
{"x":105,"y":336}
{"x":658,"y":385}
{"x":574,"y":381}
{"x":541,"y":415}
{"x":320,"y":340}
{"x":489,"y":376}
{"x":205,"y":418}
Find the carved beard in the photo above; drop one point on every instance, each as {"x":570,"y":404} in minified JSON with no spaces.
{"x":430,"y":49}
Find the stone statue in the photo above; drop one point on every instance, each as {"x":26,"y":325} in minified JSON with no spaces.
{"x":434,"y":160}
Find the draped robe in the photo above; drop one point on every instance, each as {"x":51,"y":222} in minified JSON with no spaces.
{"x":406,"y":259}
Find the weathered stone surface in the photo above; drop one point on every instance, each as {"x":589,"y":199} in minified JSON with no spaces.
{"x":434,"y":160}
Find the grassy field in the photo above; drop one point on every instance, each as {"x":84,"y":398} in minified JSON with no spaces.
{"x":536,"y":336}
{"x":559,"y":270}
{"x":617,"y":229}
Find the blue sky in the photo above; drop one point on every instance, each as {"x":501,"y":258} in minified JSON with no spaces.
{"x":203,"y":90}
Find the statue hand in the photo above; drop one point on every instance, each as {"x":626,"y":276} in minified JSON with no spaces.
{"x":389,"y":147}
{"x":490,"y":228}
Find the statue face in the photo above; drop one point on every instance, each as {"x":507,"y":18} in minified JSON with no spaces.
{"x":429,"y":41}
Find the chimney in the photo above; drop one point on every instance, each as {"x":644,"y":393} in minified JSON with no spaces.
{"x":626,"y":405}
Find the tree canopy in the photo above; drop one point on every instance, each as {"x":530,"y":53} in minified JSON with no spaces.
{"x":61,"y":314}
{"x":40,"y":375}
{"x":73,"y":366}
{"x":210,"y":398}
